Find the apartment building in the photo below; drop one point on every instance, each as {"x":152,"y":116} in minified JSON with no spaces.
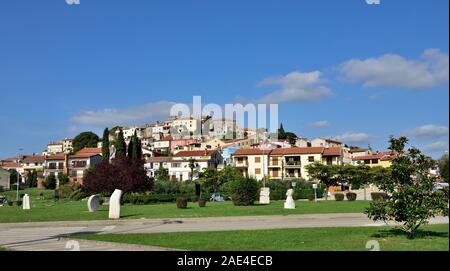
{"x":63,"y":146}
{"x":326,"y":142}
{"x":381,"y":159}
{"x":79,"y":163}
{"x":178,"y":166}
{"x":33,"y":163}
{"x":284,"y":163}
{"x":252,"y":162}
{"x":292,"y":162}
{"x":75,"y":165}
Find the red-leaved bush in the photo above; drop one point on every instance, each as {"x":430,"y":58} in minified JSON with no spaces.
{"x":123,"y":173}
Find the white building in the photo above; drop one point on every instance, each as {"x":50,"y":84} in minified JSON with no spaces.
{"x":325,"y":142}
{"x":178,"y":166}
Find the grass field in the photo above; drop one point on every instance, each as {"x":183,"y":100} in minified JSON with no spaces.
{"x":48,"y":210}
{"x":431,"y":237}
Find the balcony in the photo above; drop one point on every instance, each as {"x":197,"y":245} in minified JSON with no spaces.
{"x":243,"y":163}
{"x":292,"y":164}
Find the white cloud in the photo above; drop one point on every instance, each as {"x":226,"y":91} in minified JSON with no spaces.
{"x":394,"y":71}
{"x":128,"y":116}
{"x":320,"y":124}
{"x":440,"y":146}
{"x":352,"y":137}
{"x":430,"y":131}
{"x":295,"y":87}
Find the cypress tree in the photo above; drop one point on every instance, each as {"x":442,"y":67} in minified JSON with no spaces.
{"x":121,"y":148}
{"x":130,"y":148}
{"x":139,"y":150}
{"x":105,"y":145}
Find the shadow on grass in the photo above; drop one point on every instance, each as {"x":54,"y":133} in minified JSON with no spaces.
{"x":396,"y":232}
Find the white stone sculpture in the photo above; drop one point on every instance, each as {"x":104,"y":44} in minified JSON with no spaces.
{"x":114,"y":204}
{"x":93,"y":203}
{"x":264,"y":196}
{"x":289,"y":204}
{"x":26,"y":202}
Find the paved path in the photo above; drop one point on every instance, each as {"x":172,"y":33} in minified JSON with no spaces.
{"x":49,"y":235}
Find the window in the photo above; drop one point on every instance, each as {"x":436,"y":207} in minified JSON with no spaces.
{"x":374,"y":161}
{"x":79,"y":164}
{"x":257,"y":171}
{"x":275,"y":161}
{"x":310,"y":158}
{"x":257,"y":159}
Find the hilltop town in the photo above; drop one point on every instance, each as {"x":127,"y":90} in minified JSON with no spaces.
{"x":213,"y":143}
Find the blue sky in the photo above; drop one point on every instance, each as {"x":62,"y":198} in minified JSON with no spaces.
{"x":347,"y":69}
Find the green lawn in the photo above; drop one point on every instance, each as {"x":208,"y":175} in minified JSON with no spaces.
{"x":47,"y":210}
{"x":431,"y":237}
{"x":3,"y":249}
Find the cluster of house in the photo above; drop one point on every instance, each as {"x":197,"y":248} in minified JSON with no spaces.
{"x":165,"y":145}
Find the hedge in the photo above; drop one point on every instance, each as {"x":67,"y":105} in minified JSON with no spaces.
{"x":146,"y":199}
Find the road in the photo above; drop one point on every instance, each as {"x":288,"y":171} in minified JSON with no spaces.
{"x":51,"y":236}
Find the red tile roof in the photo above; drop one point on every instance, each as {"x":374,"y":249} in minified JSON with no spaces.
{"x":34,"y":158}
{"x":167,"y":138}
{"x":383,"y":156}
{"x":83,"y":155}
{"x":305,"y":150}
{"x":55,"y":157}
{"x":90,"y":150}
{"x":252,"y":152}
{"x":10,"y":165}
{"x":334,"y":151}
{"x":196,"y":153}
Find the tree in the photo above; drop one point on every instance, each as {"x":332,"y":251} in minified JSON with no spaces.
{"x":281,"y":132}
{"x":443,"y":167}
{"x":85,"y":140}
{"x":122,"y":173}
{"x":192,"y":166}
{"x":326,"y":174}
{"x":105,"y":145}
{"x":13,"y":176}
{"x":121,"y":145}
{"x":32,"y":179}
{"x":209,"y":179}
{"x":244,"y":191}
{"x":50,"y":182}
{"x":412,"y":200}
{"x":63,"y":179}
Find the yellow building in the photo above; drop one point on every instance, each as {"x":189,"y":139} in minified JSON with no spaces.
{"x":381,"y":159}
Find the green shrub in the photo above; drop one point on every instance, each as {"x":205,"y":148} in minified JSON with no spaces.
{"x":19,"y":203}
{"x":351,"y":196}
{"x":66,"y":190}
{"x":379,"y":196}
{"x":10,"y":203}
{"x":244,"y":191}
{"x":339,"y":197}
{"x":50,"y":182}
{"x":78,"y":195}
{"x":311,"y":197}
{"x":63,"y":179}
{"x":182,"y":203}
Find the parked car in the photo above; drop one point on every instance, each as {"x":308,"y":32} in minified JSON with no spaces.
{"x":3,"y":200}
{"x":217,"y":197}
{"x":441,"y":185}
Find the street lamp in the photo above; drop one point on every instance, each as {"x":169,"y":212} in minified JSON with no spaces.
{"x":18,"y":175}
